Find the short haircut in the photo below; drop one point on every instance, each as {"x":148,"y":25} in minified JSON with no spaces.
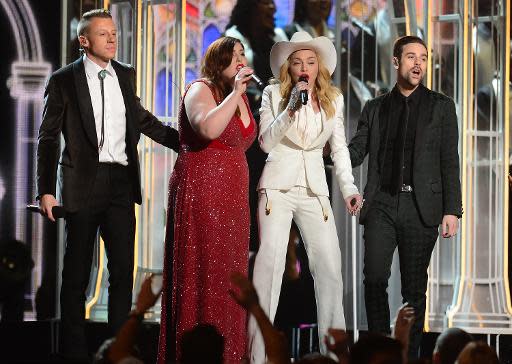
{"x":478,"y":352}
{"x":403,"y":41}
{"x":450,"y":343}
{"x":83,"y":24}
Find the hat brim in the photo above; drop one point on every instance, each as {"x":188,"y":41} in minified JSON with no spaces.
{"x":322,"y":46}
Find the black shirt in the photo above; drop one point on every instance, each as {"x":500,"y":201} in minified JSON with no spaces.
{"x":387,"y":149}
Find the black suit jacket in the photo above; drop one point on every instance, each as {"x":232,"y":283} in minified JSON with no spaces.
{"x":68,"y":111}
{"x":435,"y":161}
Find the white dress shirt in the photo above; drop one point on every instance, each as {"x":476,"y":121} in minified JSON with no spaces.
{"x":114,"y":144}
{"x":309,"y":127}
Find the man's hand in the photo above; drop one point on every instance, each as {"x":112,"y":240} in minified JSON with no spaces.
{"x":246,"y":295}
{"x":354,"y":204}
{"x":450,"y":225}
{"x":46,"y":203}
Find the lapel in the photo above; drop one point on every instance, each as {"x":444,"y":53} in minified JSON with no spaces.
{"x":327,"y":127}
{"x":278,"y":108}
{"x":127,"y":91}
{"x":424,"y":119}
{"x":383,"y":122}
{"x":84,"y":101}
{"x":384,"y":115}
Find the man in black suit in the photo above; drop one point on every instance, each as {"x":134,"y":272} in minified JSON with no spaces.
{"x":93,"y":104}
{"x":411,"y":136}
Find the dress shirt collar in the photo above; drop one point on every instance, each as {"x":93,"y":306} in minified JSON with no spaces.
{"x":92,"y":69}
{"x":414,"y":97}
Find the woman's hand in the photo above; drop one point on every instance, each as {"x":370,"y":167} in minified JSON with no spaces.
{"x":242,"y":77}
{"x":294,"y":103}
{"x":354,"y":204}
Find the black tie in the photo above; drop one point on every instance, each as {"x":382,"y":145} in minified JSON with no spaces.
{"x":398,"y":150}
{"x":101,"y":75}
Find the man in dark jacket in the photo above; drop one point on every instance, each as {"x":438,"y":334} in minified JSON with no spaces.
{"x":411,"y":137}
{"x":92,"y":103}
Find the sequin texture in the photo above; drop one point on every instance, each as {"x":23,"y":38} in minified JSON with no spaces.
{"x":208,"y":193}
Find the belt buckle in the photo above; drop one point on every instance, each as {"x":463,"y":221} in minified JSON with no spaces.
{"x":406,"y":188}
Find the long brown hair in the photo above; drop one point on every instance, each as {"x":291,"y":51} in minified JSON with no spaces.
{"x":217,"y":58}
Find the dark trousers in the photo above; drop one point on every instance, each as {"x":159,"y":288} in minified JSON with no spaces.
{"x":111,"y":210}
{"x":394,"y":221}
{"x":12,"y":301}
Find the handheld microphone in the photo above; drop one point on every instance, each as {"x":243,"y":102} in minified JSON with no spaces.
{"x":57,"y":211}
{"x":259,"y":83}
{"x":304,"y":93}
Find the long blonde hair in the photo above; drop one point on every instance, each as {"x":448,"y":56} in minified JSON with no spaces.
{"x":324,"y":90}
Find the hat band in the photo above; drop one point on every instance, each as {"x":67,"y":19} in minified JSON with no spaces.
{"x":303,"y":49}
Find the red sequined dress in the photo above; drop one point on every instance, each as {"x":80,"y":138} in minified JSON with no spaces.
{"x":209,"y":210}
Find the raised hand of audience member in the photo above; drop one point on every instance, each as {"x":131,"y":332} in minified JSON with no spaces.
{"x":403,"y":323}
{"x":123,"y":345}
{"x":247,"y":297}
{"x":337,"y":341}
{"x":147,"y":298}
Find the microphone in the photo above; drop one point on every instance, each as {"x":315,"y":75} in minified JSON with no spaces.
{"x":304,"y":93}
{"x":259,"y":83}
{"x":57,"y":211}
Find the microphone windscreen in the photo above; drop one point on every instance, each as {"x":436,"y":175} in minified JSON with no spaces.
{"x":304,"y":93}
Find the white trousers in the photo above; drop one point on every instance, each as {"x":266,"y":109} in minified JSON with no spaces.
{"x":276,"y":209}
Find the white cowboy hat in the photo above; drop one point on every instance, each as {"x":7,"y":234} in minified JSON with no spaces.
{"x":302,"y":40}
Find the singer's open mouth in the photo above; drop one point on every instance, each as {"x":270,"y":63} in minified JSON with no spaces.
{"x":304,"y":78}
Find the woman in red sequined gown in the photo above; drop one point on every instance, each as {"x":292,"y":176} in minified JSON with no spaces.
{"x":208,"y":205}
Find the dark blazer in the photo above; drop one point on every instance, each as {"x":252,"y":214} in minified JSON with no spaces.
{"x":68,"y":110}
{"x":436,"y":181}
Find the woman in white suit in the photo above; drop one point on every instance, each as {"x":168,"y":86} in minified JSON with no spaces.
{"x":293,"y":184}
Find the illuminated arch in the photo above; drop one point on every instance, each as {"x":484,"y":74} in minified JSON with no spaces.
{"x":26,"y":83}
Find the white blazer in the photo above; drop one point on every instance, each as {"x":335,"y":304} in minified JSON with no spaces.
{"x":286,"y":151}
